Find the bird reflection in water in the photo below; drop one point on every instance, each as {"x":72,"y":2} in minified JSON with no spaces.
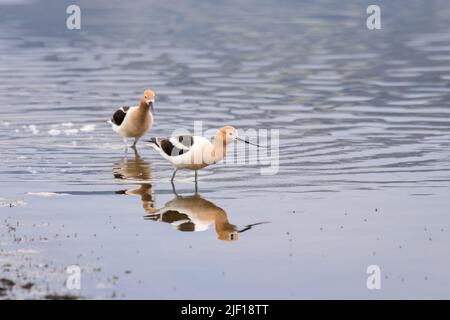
{"x":185,"y":213}
{"x":194,"y":213}
{"x":136,"y":171}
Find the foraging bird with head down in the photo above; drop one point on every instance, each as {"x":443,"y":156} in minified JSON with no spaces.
{"x":195,"y":152}
{"x":134,"y":122}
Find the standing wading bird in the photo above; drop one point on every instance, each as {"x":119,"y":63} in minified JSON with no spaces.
{"x":134,"y":122}
{"x":194,"y":152}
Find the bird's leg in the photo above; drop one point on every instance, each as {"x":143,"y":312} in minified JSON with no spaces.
{"x":196,"y":187}
{"x":136,"y":153}
{"x":173,"y":176}
{"x":135,"y":142}
{"x":173,"y":188}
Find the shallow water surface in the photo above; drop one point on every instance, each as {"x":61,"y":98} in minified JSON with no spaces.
{"x":364,"y":149}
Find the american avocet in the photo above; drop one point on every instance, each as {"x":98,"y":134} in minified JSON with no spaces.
{"x":134,"y":122}
{"x":194,"y":213}
{"x":195,"y":152}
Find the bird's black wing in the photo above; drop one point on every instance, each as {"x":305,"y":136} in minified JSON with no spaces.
{"x":174,"y":146}
{"x":119,"y":115}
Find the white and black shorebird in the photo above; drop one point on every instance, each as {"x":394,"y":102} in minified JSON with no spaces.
{"x":195,"y":152}
{"x":134,"y":122}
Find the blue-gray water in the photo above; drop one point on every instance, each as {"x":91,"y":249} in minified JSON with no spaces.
{"x":364,"y":148}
